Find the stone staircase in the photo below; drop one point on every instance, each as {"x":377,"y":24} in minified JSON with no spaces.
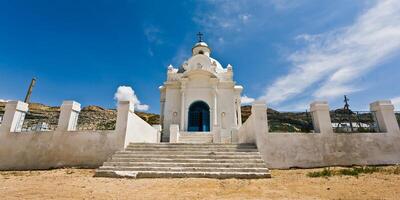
{"x":180,"y":160}
{"x":195,"y":137}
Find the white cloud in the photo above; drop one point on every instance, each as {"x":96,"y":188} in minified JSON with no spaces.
{"x":126,"y":93}
{"x":246,"y":100}
{"x":335,"y":60}
{"x":396,"y":102}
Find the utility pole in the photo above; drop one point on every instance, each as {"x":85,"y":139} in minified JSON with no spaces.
{"x":347,"y":108}
{"x":29,"y":92}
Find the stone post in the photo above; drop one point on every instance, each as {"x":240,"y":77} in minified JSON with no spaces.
{"x":69,"y":112}
{"x":159,"y":129}
{"x":174,"y":133}
{"x":234,"y":135}
{"x":125,"y":111}
{"x":14,"y":116}
{"x":216,"y":134}
{"x":321,"y":117}
{"x":259,"y":110}
{"x":384,"y":116}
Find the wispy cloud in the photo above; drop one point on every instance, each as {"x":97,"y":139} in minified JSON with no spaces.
{"x":225,"y":18}
{"x":285,"y":4}
{"x":333,"y":61}
{"x":154,"y":37}
{"x":152,"y":34}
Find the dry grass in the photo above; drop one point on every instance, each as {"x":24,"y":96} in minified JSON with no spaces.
{"x":285,"y":184}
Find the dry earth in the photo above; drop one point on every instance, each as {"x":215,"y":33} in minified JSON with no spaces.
{"x":285,"y":184}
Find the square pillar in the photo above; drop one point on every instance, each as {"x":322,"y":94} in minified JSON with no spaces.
{"x":125,"y":115}
{"x":174,"y":133}
{"x":321,"y":117}
{"x":384,"y":116}
{"x":14,"y":116}
{"x":259,"y":110}
{"x":159,"y":129}
{"x":123,"y":110}
{"x":69,"y":112}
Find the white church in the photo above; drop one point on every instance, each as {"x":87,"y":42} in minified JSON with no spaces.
{"x":200,"y":101}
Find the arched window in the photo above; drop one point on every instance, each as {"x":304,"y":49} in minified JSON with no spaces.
{"x":199,"y":117}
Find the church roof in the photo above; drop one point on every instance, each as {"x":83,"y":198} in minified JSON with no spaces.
{"x":201,"y":44}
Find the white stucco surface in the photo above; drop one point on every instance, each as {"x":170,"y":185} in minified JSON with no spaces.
{"x":52,"y":149}
{"x":307,"y":150}
{"x":62,"y":148}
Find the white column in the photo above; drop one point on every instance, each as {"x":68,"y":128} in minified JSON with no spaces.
{"x":182,"y":109}
{"x":321,"y":117}
{"x":239,"y":111}
{"x":384,"y":116}
{"x":235,"y":117}
{"x":69,"y":112}
{"x":14,"y":116}
{"x":215,"y":107}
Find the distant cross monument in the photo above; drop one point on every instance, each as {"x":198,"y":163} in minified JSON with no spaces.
{"x":200,"y":35}
{"x":347,"y":108}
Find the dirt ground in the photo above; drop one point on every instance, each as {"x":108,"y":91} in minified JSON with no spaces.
{"x":285,"y":184}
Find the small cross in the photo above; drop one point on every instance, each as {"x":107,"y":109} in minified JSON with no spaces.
{"x":346,"y":100}
{"x":200,"y":35}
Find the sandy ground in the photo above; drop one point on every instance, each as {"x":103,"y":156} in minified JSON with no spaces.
{"x":285,"y":184}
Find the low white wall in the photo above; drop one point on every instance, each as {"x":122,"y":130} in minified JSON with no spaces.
{"x":44,"y":150}
{"x":306,"y":150}
{"x":62,"y":148}
{"x":246,"y":131}
{"x":144,"y":132}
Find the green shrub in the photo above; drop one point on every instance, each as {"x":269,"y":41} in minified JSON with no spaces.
{"x":326,"y":172}
{"x":355,"y":171}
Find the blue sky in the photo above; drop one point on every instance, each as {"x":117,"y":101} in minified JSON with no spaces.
{"x":288,"y":53}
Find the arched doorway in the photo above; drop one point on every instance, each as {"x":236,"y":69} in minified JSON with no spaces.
{"x":199,"y":117}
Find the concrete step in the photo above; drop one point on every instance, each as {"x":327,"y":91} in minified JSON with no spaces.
{"x":183,"y":152}
{"x":157,"y":156}
{"x":161,"y":164}
{"x":183,"y":160}
{"x":196,"y":145}
{"x":191,"y":146}
{"x":166,"y":174}
{"x":191,"y":149}
{"x":186,"y":169}
{"x":195,"y":141}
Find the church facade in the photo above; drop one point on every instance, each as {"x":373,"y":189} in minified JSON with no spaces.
{"x":201,"y":98}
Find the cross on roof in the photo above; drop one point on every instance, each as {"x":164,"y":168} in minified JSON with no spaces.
{"x":200,"y":35}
